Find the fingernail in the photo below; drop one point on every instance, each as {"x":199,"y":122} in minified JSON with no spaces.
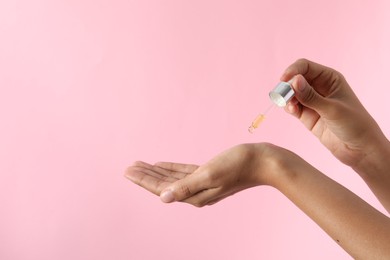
{"x":290,"y":108}
{"x":291,"y":80}
{"x":167,"y":196}
{"x":129,"y":176}
{"x":126,"y":176}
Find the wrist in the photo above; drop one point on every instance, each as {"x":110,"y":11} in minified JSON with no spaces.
{"x":376,"y":160}
{"x":275,"y":164}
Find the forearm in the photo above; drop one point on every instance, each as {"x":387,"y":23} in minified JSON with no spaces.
{"x":357,"y":227}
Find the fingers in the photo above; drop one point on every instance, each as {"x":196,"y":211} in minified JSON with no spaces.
{"x":186,"y":187}
{"x":204,"y":197}
{"x":322,"y":78}
{"x":177,"y":167}
{"x":310,"y":70}
{"x":148,"y":180}
{"x":209,"y":197}
{"x":161,"y":171}
{"x":152,"y":178}
{"x":307,"y":96}
{"x":307,"y":116}
{"x":172,"y":181}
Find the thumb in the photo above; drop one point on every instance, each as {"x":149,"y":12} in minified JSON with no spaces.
{"x":307,"y":95}
{"x":184,"y":188}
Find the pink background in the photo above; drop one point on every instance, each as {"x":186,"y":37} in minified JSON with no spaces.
{"x":87,"y":87}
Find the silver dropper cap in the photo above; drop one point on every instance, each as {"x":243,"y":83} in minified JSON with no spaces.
{"x":281,"y":94}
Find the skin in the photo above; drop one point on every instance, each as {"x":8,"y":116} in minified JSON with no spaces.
{"x":327,"y":106}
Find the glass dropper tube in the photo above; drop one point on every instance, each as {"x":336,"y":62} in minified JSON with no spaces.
{"x":280,"y":96}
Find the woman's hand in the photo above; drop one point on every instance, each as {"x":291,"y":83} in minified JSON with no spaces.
{"x":327,"y":106}
{"x":236,"y":169}
{"x":356,"y":226}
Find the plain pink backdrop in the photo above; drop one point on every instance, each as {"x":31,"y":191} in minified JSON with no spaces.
{"x":88,"y":87}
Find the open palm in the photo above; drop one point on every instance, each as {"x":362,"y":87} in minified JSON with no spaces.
{"x":155,"y":178}
{"x":235,"y":169}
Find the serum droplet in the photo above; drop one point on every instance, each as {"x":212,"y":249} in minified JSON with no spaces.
{"x":255,"y":124}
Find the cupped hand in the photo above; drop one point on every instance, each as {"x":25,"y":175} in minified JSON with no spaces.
{"x":238,"y":168}
{"x":327,"y":106}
